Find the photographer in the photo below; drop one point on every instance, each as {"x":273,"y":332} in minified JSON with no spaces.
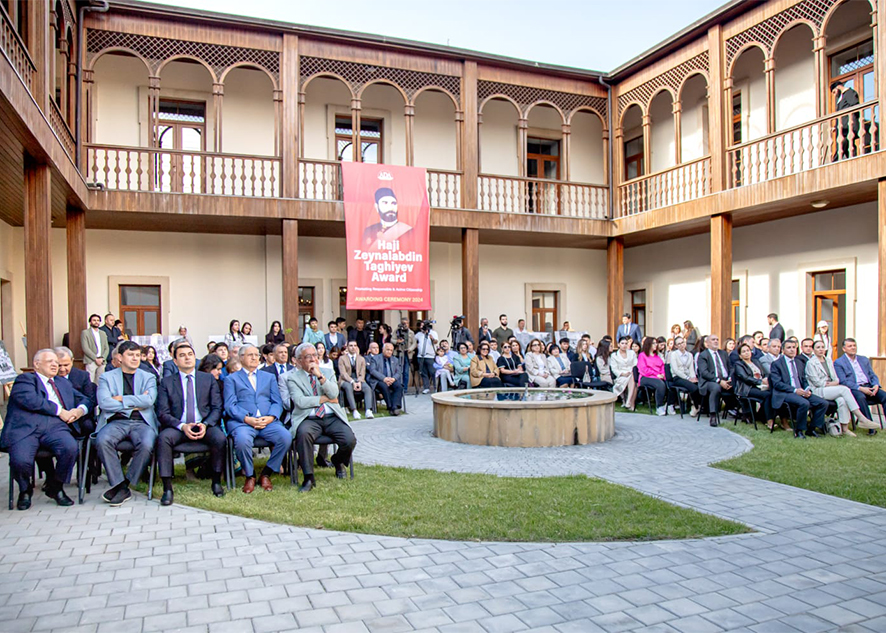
{"x":485,"y":334}
{"x":403,"y":340}
{"x":426,"y":348}
{"x":458,"y":332}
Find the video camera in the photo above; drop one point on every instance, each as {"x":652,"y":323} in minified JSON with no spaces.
{"x":457,"y":322}
{"x":426,"y":325}
{"x":372,"y":326}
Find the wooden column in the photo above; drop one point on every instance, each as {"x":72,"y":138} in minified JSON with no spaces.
{"x":877,"y":18}
{"x":355,"y":131}
{"x":677,"y":110}
{"x":290,"y":278}
{"x":76,"y":253}
{"x":721,"y":275}
{"x":881,"y":271}
{"x":615,"y":291}
{"x":87,"y":114}
{"x":218,"y":95}
{"x":821,"y":75}
{"x":647,"y":145}
{"x":769,"y":71}
{"x":41,"y":50}
{"x":470,"y":144}
{"x":566,"y":129}
{"x":72,"y":94}
{"x":38,"y":256}
{"x":459,"y":139}
{"x":409,"y":119}
{"x":153,"y":110}
{"x":606,"y":165}
{"x":470,"y":277}
{"x":278,"y":122}
{"x":618,"y":171}
{"x":522,"y":137}
{"x":291,"y":110}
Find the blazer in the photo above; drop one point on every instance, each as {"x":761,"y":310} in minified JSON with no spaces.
{"x":777,"y":332}
{"x":344,"y":369}
{"x":79,"y":379}
{"x":171,"y":400}
{"x":272,"y":369}
{"x":87,"y":342}
{"x":632,"y":330}
{"x":334,"y":340}
{"x":706,"y":368}
{"x":377,"y":368}
{"x":780,"y":380}
{"x":817,"y":377}
{"x":113,"y":336}
{"x":29,"y":405}
{"x":110,"y":384}
{"x":298,"y":396}
{"x":480,"y":367}
{"x":169,"y":368}
{"x":846,"y":375}
{"x":744,"y":379}
{"x":241,"y":400}
{"x":148,"y":367}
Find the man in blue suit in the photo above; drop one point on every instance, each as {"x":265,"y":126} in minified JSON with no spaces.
{"x":628,"y":329}
{"x":855,"y":372}
{"x":189,"y":408}
{"x":126,"y":398}
{"x":79,"y":379}
{"x":789,"y":386}
{"x":385,"y":371}
{"x":40,"y":413}
{"x":254,"y":407}
{"x":281,"y":363}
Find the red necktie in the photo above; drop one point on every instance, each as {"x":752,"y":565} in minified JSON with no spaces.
{"x":321,"y":410}
{"x":58,"y":394}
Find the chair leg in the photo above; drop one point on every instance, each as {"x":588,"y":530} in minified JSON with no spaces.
{"x":151,"y":476}
{"x":351,"y":464}
{"x":11,"y":489}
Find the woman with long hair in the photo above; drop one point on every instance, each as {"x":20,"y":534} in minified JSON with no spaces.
{"x":691,"y":334}
{"x":246,"y":330}
{"x":823,"y":382}
{"x":822,"y":333}
{"x":559,"y":365}
{"x":621,"y":365}
{"x":511,"y":368}
{"x":234,"y":335}
{"x":750,"y":380}
{"x":652,"y":373}
{"x":275,"y":335}
{"x":484,"y":372}
{"x":537,"y":366}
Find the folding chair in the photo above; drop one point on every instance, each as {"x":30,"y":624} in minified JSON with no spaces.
{"x":185,"y":448}
{"x":123,"y":447}
{"x":260,"y":443}
{"x":680,"y":393}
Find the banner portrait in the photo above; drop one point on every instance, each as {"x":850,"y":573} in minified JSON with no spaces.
{"x":387,"y":224}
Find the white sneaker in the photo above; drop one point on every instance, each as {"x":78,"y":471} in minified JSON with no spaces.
{"x":661,"y":411}
{"x":369,"y":414}
{"x":693,"y":411}
{"x":426,"y":391}
{"x":356,"y":414}
{"x":867,"y":424}
{"x":672,"y":410}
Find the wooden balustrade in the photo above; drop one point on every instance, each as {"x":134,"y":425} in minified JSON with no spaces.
{"x":61,"y":129}
{"x":681,"y":183}
{"x":444,"y":189}
{"x":151,"y":169}
{"x":16,"y":51}
{"x":507,"y":194}
{"x":839,"y":136}
{"x":319,"y":179}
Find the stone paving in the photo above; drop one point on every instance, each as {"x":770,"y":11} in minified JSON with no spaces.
{"x":817,"y":563}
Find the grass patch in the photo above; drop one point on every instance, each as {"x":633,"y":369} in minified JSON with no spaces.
{"x":454,"y":506}
{"x":846,"y":467}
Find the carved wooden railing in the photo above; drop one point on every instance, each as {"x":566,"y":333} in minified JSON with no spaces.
{"x":839,"y":136}
{"x":681,"y":183}
{"x":444,"y":189}
{"x":16,"y":51}
{"x":61,"y":129}
{"x":508,"y":194}
{"x":151,"y":169}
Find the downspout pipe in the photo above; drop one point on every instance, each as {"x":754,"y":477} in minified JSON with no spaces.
{"x":96,"y":6}
{"x":611,"y":144}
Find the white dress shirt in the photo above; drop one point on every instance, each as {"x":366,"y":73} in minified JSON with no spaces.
{"x":53,"y":398}
{"x":96,"y":334}
{"x":197,"y":417}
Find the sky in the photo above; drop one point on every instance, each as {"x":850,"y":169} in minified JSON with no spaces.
{"x":590,"y":34}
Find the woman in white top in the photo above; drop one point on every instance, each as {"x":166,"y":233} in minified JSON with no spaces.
{"x":559,"y":366}
{"x":822,"y":333}
{"x":234,"y":337}
{"x":621,"y":364}
{"x":683,"y":374}
{"x":537,"y":366}
{"x":823,"y":382}
{"x":325,"y":362}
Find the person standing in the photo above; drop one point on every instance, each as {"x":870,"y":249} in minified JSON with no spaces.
{"x":502,"y":333}
{"x":846,"y":98}
{"x":425,"y":350}
{"x":628,"y":328}
{"x":112,"y":334}
{"x":313,"y":333}
{"x":96,"y":350}
{"x":775,"y":328}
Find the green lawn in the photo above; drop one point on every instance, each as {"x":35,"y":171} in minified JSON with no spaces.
{"x":431,"y":504}
{"x":847,"y":467}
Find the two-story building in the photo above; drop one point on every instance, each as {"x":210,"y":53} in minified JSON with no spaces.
{"x":179,"y":167}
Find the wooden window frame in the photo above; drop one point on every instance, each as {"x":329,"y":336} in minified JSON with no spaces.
{"x":380,"y":141}
{"x":637,"y":158}
{"x":140,"y":310}
{"x":306,"y":310}
{"x":857,"y":74}
{"x":736,"y":309}
{"x":839,"y":308}
{"x":541,"y":312}
{"x":177,"y":162}
{"x":637,"y":307}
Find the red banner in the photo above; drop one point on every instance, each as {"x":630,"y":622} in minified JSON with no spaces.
{"x":387,"y":223}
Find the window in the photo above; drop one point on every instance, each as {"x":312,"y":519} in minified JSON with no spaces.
{"x":181,"y":126}
{"x":371,"y":140}
{"x":638,"y":308}
{"x":634,"y":158}
{"x":544,"y":310}
{"x":736,"y":309}
{"x":343,"y":302}
{"x":854,"y":66}
{"x":305,"y":307}
{"x":140,"y":309}
{"x":829,"y":304}
{"x":542,"y":162}
{"x":736,"y":135}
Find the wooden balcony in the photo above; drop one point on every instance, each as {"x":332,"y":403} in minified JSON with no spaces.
{"x":839,"y":136}
{"x":508,"y":194}
{"x":16,"y":51}
{"x":61,"y":129}
{"x":682,"y":183}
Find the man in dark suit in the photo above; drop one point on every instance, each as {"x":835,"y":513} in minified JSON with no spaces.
{"x":79,"y":379}
{"x":714,"y":375}
{"x":385,"y":371}
{"x":855,"y":371}
{"x":189,"y":409}
{"x":40,"y":413}
{"x":775,"y":329}
{"x":334,"y":338}
{"x":280,"y":365}
{"x":789,"y":386}
{"x":112,"y":333}
{"x":361,"y":336}
{"x":844,"y":99}
{"x":627,"y":328}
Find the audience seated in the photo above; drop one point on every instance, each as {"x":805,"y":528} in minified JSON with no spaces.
{"x":333,"y":338}
{"x":385,"y":370}
{"x":771,"y":355}
{"x":621,"y":365}
{"x":714,"y":375}
{"x":79,"y":378}
{"x":484,"y":371}
{"x":854,"y":371}
{"x":652,"y":373}
{"x":559,"y":365}
{"x":683,"y":374}
{"x":443,"y":367}
{"x":789,"y":386}
{"x":512,"y":372}
{"x":280,"y":364}
{"x":352,"y":380}
{"x":537,"y":366}
{"x":750,"y":380}
{"x":822,"y":378}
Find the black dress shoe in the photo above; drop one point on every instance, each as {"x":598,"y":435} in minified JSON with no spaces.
{"x":713,"y":421}
{"x":340,"y":471}
{"x":218,"y":490}
{"x":167,"y":498}
{"x":62,"y":499}
{"x":395,"y":412}
{"x":799,"y":435}
{"x":307,"y":486}
{"x":322,"y":462}
{"x":24,"y":501}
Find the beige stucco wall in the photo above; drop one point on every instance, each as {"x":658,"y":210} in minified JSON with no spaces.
{"x":693,"y":119}
{"x":587,"y":148}
{"x":498,"y":139}
{"x":750,"y":81}
{"x":662,"y":142}
{"x":794,"y":78}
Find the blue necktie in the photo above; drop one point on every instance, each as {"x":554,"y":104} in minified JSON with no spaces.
{"x":190,"y":413}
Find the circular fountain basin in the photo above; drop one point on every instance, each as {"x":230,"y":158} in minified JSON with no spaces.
{"x":519,"y":417}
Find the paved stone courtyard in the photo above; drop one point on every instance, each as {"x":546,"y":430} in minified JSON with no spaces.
{"x":817,"y":563}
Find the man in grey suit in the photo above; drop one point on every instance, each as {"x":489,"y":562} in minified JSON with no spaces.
{"x":385,"y":370}
{"x":126,"y":398}
{"x":311,"y":394}
{"x":96,"y":350}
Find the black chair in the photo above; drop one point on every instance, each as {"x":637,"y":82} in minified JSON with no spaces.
{"x":123,"y":447}
{"x":681,"y":394}
{"x":751,"y":409}
{"x":875,"y":404}
{"x":46,"y":454}
{"x":578,"y":369}
{"x":289,"y":463}
{"x":325,"y":440}
{"x":185,"y":448}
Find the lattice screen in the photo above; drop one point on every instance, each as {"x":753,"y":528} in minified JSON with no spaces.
{"x":358,"y":76}
{"x":158,"y":49}
{"x":672,"y":79}
{"x":525,"y":96}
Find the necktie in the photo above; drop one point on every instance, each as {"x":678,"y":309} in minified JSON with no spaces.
{"x":58,"y":394}
{"x":353,"y":365}
{"x":321,"y":410}
{"x":718,"y":363}
{"x":252,"y":381}
{"x":190,"y":402}
{"x":795,"y":373}
{"x":387,"y":367}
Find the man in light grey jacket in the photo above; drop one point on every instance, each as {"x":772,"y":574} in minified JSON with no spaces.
{"x":94,"y":343}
